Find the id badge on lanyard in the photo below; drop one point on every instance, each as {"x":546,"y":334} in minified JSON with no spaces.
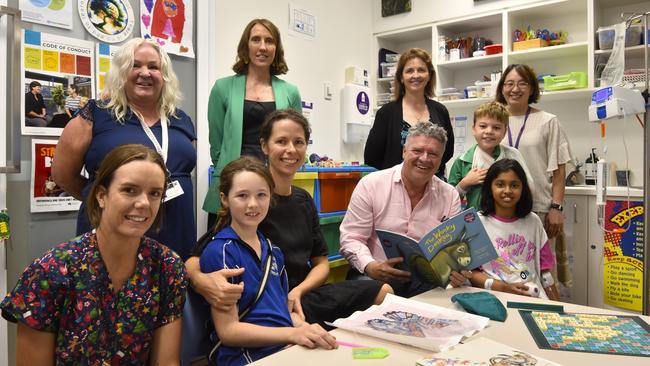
{"x":174,"y":188}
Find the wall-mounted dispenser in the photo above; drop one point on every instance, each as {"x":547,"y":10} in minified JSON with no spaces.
{"x":355,"y":113}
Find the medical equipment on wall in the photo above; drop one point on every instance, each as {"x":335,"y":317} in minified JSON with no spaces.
{"x":615,"y":102}
{"x":606,"y":104}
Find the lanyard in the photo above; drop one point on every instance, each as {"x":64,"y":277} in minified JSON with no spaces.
{"x":521,"y":131}
{"x":165,"y":143}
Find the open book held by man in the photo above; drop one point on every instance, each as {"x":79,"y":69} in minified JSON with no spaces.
{"x":458,"y":243}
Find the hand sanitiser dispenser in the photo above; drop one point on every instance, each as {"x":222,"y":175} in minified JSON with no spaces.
{"x":355,"y":113}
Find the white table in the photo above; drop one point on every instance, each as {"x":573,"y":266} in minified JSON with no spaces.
{"x":513,"y":332}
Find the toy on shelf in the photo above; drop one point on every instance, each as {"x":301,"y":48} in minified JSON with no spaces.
{"x":314,"y":160}
{"x":523,"y":40}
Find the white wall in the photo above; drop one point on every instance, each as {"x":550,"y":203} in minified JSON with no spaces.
{"x":343,"y":39}
{"x":427,"y":11}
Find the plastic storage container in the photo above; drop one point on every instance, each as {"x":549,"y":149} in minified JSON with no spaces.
{"x":338,"y":269}
{"x":493,"y":49}
{"x":336,"y":189}
{"x":334,"y":186}
{"x":388,"y":69}
{"x":448,"y":91}
{"x":306,"y":181}
{"x":392,"y":57}
{"x":383,"y":98}
{"x":572,"y":80}
{"x":329,"y":225}
{"x":450,"y":96}
{"x":484,"y":89}
{"x":470,"y":92}
{"x":606,"y":36}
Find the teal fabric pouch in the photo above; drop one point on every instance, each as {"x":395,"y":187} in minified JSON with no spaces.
{"x":482,"y":303}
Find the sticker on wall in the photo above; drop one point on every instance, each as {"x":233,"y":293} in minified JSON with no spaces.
{"x":392,"y":7}
{"x":58,"y":80}
{"x":45,"y":194}
{"x":109,"y":21}
{"x":55,"y":13}
{"x":104,"y":54}
{"x":168,"y":22}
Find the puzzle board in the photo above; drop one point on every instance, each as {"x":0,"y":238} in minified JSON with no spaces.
{"x":593,"y":333}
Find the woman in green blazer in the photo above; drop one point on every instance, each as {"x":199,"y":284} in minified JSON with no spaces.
{"x":238,"y":104}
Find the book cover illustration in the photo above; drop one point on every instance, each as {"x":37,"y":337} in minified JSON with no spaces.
{"x":414,"y":323}
{"x":459,"y":243}
{"x":484,"y":352}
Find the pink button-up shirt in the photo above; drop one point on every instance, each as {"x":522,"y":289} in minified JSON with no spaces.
{"x":380,"y":201}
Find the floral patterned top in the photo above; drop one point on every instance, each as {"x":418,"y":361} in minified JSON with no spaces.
{"x":69,"y":292}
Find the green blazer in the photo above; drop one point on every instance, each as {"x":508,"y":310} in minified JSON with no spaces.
{"x":225,"y":124}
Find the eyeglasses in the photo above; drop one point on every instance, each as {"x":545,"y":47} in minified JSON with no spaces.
{"x":520,"y":84}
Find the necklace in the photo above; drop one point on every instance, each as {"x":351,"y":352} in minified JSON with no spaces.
{"x":419,"y":117}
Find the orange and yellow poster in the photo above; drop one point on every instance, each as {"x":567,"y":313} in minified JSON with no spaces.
{"x":54,"y":69}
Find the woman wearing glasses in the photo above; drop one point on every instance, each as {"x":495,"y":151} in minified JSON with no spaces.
{"x":541,"y":140}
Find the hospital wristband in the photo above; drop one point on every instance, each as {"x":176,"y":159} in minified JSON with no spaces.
{"x":488,"y":283}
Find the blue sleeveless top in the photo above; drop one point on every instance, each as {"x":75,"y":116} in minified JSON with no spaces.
{"x":178,"y":229}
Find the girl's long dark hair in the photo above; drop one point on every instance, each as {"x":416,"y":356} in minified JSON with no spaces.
{"x":525,"y":204}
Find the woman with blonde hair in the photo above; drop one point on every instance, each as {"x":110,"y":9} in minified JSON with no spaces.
{"x":414,"y":82}
{"x":139,"y":104}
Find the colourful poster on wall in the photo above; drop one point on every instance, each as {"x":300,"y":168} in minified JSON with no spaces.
{"x":168,"y":22}
{"x":109,"y":21}
{"x":623,"y":254}
{"x":104,"y":54}
{"x":55,"y":13}
{"x":57,"y":74}
{"x":45,"y":195}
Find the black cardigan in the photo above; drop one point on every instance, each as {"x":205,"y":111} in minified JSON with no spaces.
{"x":384,"y":146}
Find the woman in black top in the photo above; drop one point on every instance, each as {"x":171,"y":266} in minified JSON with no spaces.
{"x":414,"y":84}
{"x":292,"y":224}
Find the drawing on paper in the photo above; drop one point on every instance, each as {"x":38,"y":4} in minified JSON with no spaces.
{"x":405,"y":323}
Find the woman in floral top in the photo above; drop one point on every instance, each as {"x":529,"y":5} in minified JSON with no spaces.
{"x":110,"y":296}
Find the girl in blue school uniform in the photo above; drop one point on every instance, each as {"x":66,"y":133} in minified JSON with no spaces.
{"x":517,"y":233}
{"x":245,"y":189}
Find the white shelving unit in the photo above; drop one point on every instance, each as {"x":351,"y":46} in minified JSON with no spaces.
{"x":397,"y":41}
{"x":609,"y":12}
{"x":580,"y":18}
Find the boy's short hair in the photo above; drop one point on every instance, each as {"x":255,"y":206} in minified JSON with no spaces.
{"x":494,"y":110}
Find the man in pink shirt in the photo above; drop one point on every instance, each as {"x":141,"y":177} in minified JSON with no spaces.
{"x":408,"y":199}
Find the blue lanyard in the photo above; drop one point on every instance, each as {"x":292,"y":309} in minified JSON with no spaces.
{"x":521,"y":130}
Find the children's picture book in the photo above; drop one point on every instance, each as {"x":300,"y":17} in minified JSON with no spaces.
{"x":459,"y":243}
{"x":483,"y":352}
{"x":414,"y":323}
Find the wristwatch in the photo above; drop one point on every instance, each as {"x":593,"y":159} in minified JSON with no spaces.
{"x":557,"y":206}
